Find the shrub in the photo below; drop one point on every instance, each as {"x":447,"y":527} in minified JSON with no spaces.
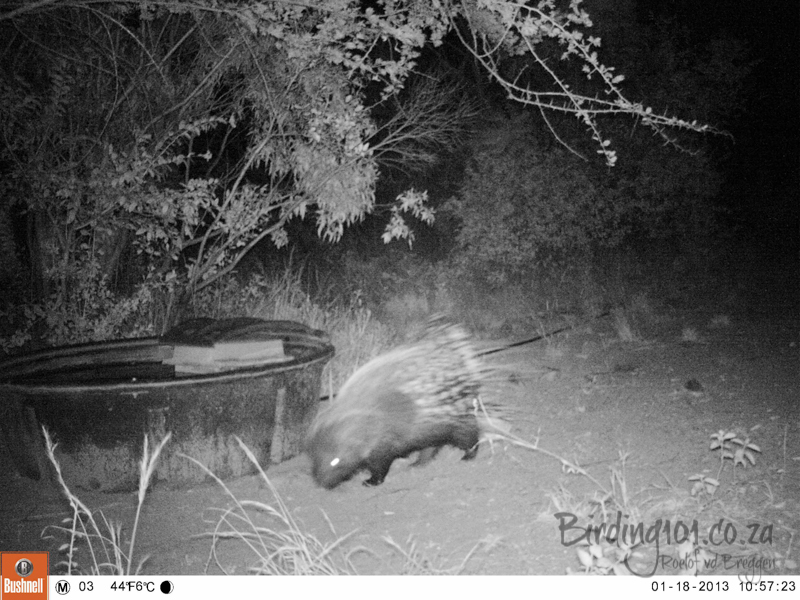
{"x":521,"y":205}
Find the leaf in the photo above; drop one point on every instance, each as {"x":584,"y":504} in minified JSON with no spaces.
{"x":621,"y":570}
{"x":585,"y":558}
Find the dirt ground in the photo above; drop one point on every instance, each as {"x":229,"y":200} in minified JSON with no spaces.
{"x":635,"y":412}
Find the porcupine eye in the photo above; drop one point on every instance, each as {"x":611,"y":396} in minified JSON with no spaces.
{"x":335,"y":461}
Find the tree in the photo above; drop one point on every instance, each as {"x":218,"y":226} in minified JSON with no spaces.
{"x":196,"y":129}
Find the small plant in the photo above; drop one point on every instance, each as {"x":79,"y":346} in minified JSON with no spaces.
{"x":603,"y":558}
{"x":418,"y":563}
{"x":280,"y":549}
{"x":731,"y":447}
{"x":602,"y":553}
{"x":105,"y":549}
{"x":703,"y":485}
{"x":691,"y":558}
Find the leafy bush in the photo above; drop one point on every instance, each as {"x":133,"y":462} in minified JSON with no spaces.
{"x":86,"y":311}
{"x":521,"y":205}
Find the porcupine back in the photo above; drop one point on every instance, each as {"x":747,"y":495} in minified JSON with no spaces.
{"x":418,"y":397}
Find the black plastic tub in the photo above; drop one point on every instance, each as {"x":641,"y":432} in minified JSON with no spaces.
{"x":99,"y":400}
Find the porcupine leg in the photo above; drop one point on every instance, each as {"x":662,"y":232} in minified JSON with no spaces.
{"x":468,"y":440}
{"x":378,"y":469}
{"x":471,"y":453}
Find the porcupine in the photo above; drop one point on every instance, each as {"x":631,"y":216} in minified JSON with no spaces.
{"x":418,"y":397}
